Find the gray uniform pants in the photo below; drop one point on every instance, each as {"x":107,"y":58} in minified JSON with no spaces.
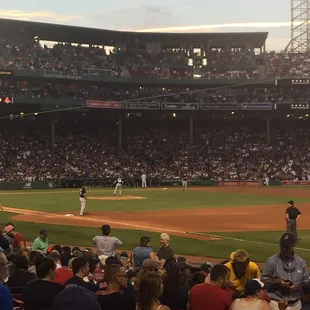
{"x":291,"y":227}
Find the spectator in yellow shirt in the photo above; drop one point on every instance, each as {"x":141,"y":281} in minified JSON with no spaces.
{"x":242,"y":270}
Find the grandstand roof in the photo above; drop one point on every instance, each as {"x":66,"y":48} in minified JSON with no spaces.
{"x":84,"y":35}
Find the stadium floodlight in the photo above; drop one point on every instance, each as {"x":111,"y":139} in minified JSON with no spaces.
{"x":300,"y":27}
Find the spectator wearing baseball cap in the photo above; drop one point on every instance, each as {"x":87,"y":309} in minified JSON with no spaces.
{"x":253,"y":297}
{"x":18,"y":241}
{"x":106,"y":245}
{"x":41,"y":242}
{"x":76,"y":298}
{"x":285,"y":273}
{"x":241,"y":270}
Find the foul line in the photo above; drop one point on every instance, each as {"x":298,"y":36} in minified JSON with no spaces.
{"x":242,"y":240}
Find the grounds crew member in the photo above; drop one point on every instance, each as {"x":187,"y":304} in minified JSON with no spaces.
{"x":292,"y":215}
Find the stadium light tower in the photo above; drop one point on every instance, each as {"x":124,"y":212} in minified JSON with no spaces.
{"x":300,"y":26}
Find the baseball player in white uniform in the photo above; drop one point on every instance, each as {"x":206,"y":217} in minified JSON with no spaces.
{"x":266,"y":181}
{"x":143,"y":180}
{"x":118,"y":186}
{"x":83,"y":200}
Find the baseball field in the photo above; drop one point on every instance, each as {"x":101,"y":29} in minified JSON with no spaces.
{"x":209,"y":222}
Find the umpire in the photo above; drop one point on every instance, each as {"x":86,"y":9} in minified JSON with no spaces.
{"x":292,"y":215}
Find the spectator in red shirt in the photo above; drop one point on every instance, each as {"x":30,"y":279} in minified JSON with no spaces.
{"x":213,"y":295}
{"x":19,"y":242}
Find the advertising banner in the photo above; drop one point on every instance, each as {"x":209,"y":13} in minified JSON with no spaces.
{"x":220,"y":106}
{"x":256,"y":106}
{"x":238,"y":183}
{"x":141,"y":105}
{"x":99,"y":104}
{"x":292,"y":82}
{"x":6,"y":72}
{"x":180,"y":106}
{"x":295,"y":183}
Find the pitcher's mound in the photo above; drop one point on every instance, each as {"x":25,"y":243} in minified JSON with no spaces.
{"x":116,"y":198}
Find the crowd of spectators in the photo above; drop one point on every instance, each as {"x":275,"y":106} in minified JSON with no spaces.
{"x":166,"y":63}
{"x":62,"y":59}
{"x":221,"y":150}
{"x":45,"y":276}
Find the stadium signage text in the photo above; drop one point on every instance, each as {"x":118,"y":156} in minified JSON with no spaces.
{"x":300,"y":82}
{"x":62,"y":76}
{"x":256,"y":106}
{"x":300,"y":106}
{"x":222,"y":107}
{"x":295,"y":183}
{"x":4,"y":72}
{"x":141,"y":105}
{"x":103,"y":104}
{"x":180,"y":106}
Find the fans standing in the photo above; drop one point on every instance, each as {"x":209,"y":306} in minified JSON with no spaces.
{"x":165,"y":254}
{"x":105,"y":244}
{"x":143,"y":252}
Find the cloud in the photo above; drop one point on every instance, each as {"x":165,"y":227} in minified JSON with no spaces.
{"x":37,"y":16}
{"x":200,"y":28}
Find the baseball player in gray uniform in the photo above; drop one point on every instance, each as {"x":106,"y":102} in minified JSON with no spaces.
{"x":118,"y":186}
{"x":83,"y":199}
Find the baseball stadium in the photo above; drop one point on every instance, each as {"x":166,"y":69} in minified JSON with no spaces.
{"x":215,"y":125}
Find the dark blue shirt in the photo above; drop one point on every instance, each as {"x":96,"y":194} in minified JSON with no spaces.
{"x":141,"y":253}
{"x":6,"y":299}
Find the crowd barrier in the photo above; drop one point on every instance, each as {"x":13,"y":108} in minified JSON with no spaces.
{"x":27,"y":185}
{"x":295,"y":183}
{"x":136,"y":182}
{"x":238,"y":183}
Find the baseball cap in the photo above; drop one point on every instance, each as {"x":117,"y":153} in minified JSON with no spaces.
{"x":251,"y":287}
{"x":43,"y":232}
{"x":239,"y":256}
{"x":8,"y":228}
{"x":260,"y":282}
{"x":106,"y":229}
{"x":291,"y":202}
{"x":76,"y":298}
{"x":287,"y":239}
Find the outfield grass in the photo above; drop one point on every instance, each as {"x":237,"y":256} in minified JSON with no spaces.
{"x":67,"y":200}
{"x":56,"y":200}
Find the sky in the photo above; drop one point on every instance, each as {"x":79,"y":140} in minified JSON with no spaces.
{"x":162,"y":15}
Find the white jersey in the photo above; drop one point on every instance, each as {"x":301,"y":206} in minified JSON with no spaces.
{"x":119,"y":181}
{"x":143,"y":177}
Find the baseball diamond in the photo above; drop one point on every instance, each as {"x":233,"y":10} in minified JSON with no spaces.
{"x":167,"y":164}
